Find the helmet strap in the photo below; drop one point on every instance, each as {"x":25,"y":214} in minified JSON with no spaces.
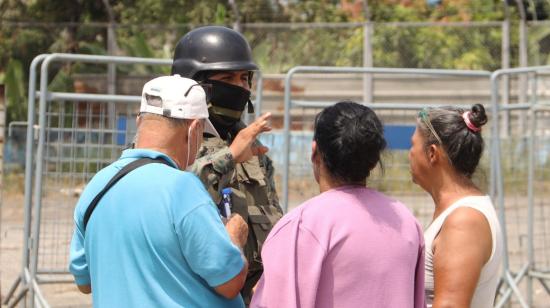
{"x":250,"y":107}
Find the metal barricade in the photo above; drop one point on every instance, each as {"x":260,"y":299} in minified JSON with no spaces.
{"x":399,"y":117}
{"x":78,"y":134}
{"x":522,"y":179}
{"x":517,"y":157}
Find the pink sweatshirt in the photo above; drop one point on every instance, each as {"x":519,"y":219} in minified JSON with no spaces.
{"x":348,"y":247}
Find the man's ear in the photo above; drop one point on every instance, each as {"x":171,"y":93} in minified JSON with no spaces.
{"x":194,"y":125}
{"x":138,"y":120}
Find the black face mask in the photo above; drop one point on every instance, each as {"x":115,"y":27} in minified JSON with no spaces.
{"x":227,"y":104}
{"x":226,"y":127}
{"x":229,"y":100}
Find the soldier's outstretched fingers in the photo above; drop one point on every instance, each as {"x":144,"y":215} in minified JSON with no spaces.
{"x":241,"y":147}
{"x":261,"y":124}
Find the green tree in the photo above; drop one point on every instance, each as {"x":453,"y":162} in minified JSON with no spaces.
{"x":151,"y":28}
{"x":15,"y":90}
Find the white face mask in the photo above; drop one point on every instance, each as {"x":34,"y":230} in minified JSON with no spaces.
{"x":187,"y":165}
{"x":188,"y":148}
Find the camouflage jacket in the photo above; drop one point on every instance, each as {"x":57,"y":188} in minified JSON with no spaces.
{"x":215,"y":167}
{"x":253,"y":195}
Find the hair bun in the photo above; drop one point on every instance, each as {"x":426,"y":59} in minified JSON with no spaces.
{"x":478,"y":117}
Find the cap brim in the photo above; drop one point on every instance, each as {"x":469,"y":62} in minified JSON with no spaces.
{"x":209,"y":128}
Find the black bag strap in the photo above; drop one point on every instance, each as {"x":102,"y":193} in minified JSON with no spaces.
{"x":124,"y":171}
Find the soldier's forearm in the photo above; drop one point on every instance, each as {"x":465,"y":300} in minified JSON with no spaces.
{"x":211,"y":167}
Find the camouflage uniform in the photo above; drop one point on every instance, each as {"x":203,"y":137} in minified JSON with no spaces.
{"x":253,"y":190}
{"x":253,"y":196}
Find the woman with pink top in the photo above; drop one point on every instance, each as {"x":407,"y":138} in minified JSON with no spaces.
{"x":350,"y":246}
{"x":463,"y":243}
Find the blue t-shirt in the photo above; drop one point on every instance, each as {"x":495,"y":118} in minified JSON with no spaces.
{"x":154,"y":240}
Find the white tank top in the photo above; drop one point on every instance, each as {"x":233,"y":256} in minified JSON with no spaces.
{"x":484,"y":294}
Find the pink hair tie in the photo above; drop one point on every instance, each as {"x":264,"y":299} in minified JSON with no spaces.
{"x":471,"y":126}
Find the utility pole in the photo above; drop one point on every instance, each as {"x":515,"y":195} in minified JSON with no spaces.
{"x":112,"y":49}
{"x":505,"y":63}
{"x":367,"y":54}
{"x":237,"y":21}
{"x":522,"y":86}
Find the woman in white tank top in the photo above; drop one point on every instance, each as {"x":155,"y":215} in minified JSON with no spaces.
{"x":464,"y":242}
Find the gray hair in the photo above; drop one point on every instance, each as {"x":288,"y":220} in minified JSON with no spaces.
{"x":446,"y":126}
{"x":172,"y":121}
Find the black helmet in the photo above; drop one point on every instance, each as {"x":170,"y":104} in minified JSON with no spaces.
{"x":212,"y":48}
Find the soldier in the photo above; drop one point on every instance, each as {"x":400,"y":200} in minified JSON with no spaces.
{"x":221,"y":58}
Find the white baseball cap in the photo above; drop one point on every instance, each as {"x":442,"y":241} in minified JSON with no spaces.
{"x":176,"y":97}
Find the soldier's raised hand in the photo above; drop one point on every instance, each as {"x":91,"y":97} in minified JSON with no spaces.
{"x":242,"y":148}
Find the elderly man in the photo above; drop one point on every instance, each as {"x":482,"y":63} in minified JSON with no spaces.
{"x":155,"y":238}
